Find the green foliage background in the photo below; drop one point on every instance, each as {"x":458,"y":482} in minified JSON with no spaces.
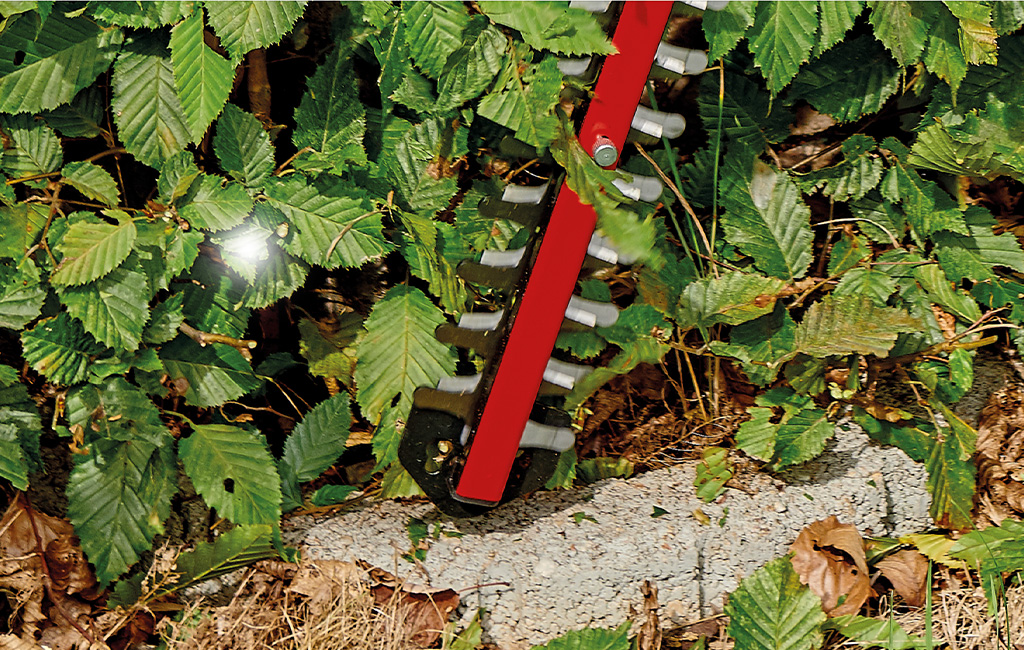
{"x":149,"y":215}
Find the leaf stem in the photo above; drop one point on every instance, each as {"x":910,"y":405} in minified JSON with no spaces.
{"x":345,"y":231}
{"x":205,"y":338}
{"x":280,"y":168}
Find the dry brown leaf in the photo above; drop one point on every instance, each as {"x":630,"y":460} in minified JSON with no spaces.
{"x":829,"y":558}
{"x":326,"y":580}
{"x":424,"y":614}
{"x":11,"y":642}
{"x":907,"y":571}
{"x":809,"y":121}
{"x":649,"y":637}
{"x":946,"y":321}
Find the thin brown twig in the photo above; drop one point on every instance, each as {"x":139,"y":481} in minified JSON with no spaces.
{"x":281,"y":167}
{"x":682,"y":200}
{"x":345,"y":231}
{"x":205,"y":338}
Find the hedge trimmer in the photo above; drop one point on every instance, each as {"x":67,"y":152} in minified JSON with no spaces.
{"x":472,"y":442}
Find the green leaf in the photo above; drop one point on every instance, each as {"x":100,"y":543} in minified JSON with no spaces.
{"x":211,"y":375}
{"x":725,"y":28}
{"x":801,"y":437}
{"x":176,"y":176}
{"x":82,"y":118}
{"x":233,"y":471}
{"x":115,"y":410}
{"x":57,"y":60}
{"x":277,"y":277}
{"x":772,"y":610}
{"x":836,"y":326}
{"x":92,"y":181}
{"x":593,"y":638}
{"x":149,"y":116}
{"x":875,"y":633}
{"x":995,"y":550}
{"x":471,"y":68}
{"x":977,"y":36}
{"x":855,"y":79}
{"x":1007,"y":16}
{"x":767,"y":220}
{"x":398,"y":484}
{"x":165,"y":320}
{"x":756,"y":436}
{"x":60,"y":349}
{"x":985,"y":144}
{"x":399,"y":352}
{"x":712,"y":473}
{"x":781,"y":39}
{"x":330,"y":352}
{"x":211,"y":300}
{"x":837,"y":18}
{"x":928,"y":208}
{"x":331,"y":120}
{"x":93,"y":248}
{"x":34,"y":147}
{"x":243,"y":147}
{"x":872,"y":284}
{"x":18,"y":410}
{"x":731,"y":298}
{"x":330,"y":495}
{"x":433,"y":31}
{"x":321,"y":216}
{"x":118,"y":497}
{"x":412,"y":159}
{"x":203,"y":77}
{"x":21,"y":294}
{"x":423,"y":248}
{"x":13,"y":466}
{"x":522,"y":100}
{"x":747,"y":116}
{"x":212,"y":204}
{"x":944,"y":56}
{"x":389,"y":46}
{"x":130,"y":13}
{"x":113,"y":309}
{"x":21,"y":224}
{"x":974,"y":257}
{"x":941,"y":291}
{"x":548,"y":26}
{"x":761,"y":344}
{"x":316,"y":442}
{"x":245,"y":26}
{"x":235,"y":549}
{"x":386,"y":437}
{"x":899,"y":26}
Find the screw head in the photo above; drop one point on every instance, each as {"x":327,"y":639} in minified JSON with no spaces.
{"x":605,"y":153}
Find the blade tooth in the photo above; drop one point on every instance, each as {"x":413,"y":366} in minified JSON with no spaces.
{"x":656,"y":124}
{"x":544,"y":436}
{"x":681,"y":60}
{"x":478,"y":321}
{"x":525,"y":205}
{"x":603,"y":250}
{"x":560,"y":377}
{"x":591,"y":313}
{"x":532,"y":194}
{"x":593,"y":6}
{"x":575,"y":67}
{"x":459,"y":385}
{"x":503,"y":259}
{"x":642,"y":188}
{"x":461,"y":405}
{"x":485,"y":342}
{"x":501,"y":279}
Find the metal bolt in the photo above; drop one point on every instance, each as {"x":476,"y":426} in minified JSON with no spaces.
{"x":605,"y":153}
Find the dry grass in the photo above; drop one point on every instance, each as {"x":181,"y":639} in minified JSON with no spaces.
{"x":326,"y":605}
{"x":960,"y":620}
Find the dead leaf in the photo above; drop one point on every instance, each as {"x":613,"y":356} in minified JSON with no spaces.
{"x":649,"y":637}
{"x":809,"y":121}
{"x":946,"y":321}
{"x":424,"y":614}
{"x":907,"y":571}
{"x":11,"y":642}
{"x":829,"y":558}
{"x":68,"y":569}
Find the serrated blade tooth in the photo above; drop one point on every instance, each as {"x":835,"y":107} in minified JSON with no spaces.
{"x":485,"y":342}
{"x":544,"y":436}
{"x":681,"y":60}
{"x":593,"y":6}
{"x":657,"y":123}
{"x":532,"y":194}
{"x":641,"y":188}
{"x":503,"y":259}
{"x":560,"y":377}
{"x":591,"y":313}
{"x":499,"y":278}
{"x":525,"y":205}
{"x":461,"y":405}
{"x":602,"y":249}
{"x":479,"y":321}
{"x":575,"y":67}
{"x":459,"y":385}
{"x":712,"y":5}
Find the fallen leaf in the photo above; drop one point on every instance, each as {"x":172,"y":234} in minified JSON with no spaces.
{"x":649,"y":637}
{"x":907,"y":571}
{"x":424,"y":611}
{"x":809,"y":121}
{"x":829,"y":558}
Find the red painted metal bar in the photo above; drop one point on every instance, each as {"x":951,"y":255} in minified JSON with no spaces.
{"x":562,"y":252}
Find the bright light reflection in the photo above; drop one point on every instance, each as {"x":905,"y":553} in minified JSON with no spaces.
{"x":249,"y":246}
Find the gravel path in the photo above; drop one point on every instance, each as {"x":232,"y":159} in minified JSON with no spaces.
{"x":578,"y":557}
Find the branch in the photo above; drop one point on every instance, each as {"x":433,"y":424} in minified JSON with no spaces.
{"x":205,"y":338}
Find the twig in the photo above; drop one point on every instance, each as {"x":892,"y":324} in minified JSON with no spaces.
{"x":280,"y":168}
{"x":108,"y":152}
{"x":682,"y":200}
{"x":259,"y":86}
{"x":892,"y":237}
{"x":205,"y":338}
{"x":344,"y":231}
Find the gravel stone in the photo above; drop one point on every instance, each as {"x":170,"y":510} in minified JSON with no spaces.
{"x":563,"y":575}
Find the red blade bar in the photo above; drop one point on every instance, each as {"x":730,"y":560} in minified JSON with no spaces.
{"x":561,"y":253}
